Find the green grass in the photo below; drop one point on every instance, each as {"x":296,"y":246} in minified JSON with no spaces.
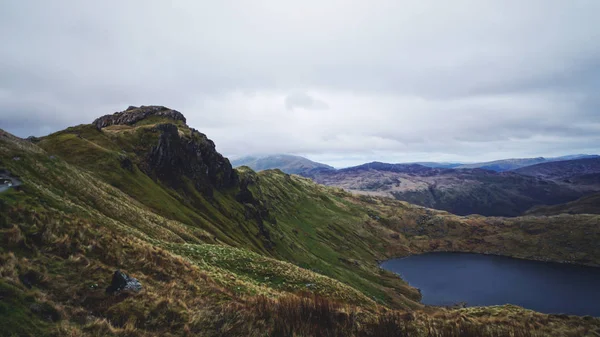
{"x":16,"y":315}
{"x":80,"y":215}
{"x":262,"y":271}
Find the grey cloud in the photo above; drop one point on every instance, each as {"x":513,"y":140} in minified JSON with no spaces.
{"x":303,"y":100}
{"x":422,"y":80}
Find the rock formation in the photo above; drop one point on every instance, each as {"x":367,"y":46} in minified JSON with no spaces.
{"x":134,"y":114}
{"x":194,"y":157}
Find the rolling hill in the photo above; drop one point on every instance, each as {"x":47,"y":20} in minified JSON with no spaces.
{"x":287,"y":163}
{"x":226,"y":252}
{"x":590,"y":204}
{"x":459,"y":191}
{"x":513,"y":164}
{"x":563,"y":170}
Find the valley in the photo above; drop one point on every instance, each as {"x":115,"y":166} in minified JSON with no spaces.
{"x":464,"y":191}
{"x":231,"y":252}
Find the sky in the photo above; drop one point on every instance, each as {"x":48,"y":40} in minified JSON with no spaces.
{"x":341,"y":82}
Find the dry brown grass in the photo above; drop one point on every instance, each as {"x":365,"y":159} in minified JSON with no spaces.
{"x":310,"y":315}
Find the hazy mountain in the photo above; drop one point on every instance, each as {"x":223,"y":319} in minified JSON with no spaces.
{"x":287,"y":163}
{"x":512,"y":164}
{"x":437,"y":164}
{"x":460,"y":191}
{"x":563,"y":170}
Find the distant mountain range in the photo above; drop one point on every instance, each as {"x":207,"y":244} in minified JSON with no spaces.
{"x":287,"y":163}
{"x":512,"y":164}
{"x":507,"y":187}
{"x":459,"y":191}
{"x":296,"y":164}
{"x":563,"y":170}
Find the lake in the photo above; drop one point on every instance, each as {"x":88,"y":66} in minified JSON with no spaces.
{"x":478,"y":280}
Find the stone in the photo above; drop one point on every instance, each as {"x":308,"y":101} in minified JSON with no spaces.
{"x":134,"y":114}
{"x":7,"y":180}
{"x":122,"y":282}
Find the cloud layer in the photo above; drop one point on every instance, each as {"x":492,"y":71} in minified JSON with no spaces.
{"x":340,"y":81}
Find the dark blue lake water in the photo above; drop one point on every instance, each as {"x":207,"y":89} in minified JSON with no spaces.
{"x":449,"y":278}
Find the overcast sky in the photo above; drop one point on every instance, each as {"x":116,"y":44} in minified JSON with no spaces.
{"x":342,"y":82}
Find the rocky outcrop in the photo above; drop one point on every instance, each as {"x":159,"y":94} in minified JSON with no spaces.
{"x":122,"y":282}
{"x":255,"y":209}
{"x":193,"y":157}
{"x":134,"y":114}
{"x":7,"y":180}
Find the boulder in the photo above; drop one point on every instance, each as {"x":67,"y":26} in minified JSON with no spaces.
{"x":122,"y":282}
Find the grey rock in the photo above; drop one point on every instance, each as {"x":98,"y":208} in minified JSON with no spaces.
{"x":122,"y":282}
{"x":7,"y":180}
{"x":133,"y":115}
{"x":194,"y":157}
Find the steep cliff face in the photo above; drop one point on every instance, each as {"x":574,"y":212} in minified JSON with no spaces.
{"x":134,"y":114}
{"x":193,"y":157}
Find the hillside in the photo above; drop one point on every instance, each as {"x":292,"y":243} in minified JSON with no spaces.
{"x":287,"y":163}
{"x":589,"y":204}
{"x":463,"y":191}
{"x":516,"y":163}
{"x":231,"y":252}
{"x":563,"y":170}
{"x":504,"y":164}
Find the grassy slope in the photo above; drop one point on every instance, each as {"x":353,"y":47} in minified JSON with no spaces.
{"x":299,"y":208}
{"x":80,"y":216}
{"x":589,"y":204}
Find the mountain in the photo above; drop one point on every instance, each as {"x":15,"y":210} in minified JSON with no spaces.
{"x":563,"y":170}
{"x":504,"y":164}
{"x":459,"y":191}
{"x":590,"y":204}
{"x":437,"y":165}
{"x":512,"y":164}
{"x":140,"y":200}
{"x":287,"y":163}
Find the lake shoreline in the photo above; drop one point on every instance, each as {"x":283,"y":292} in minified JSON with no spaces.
{"x":527,"y":258}
{"x":455,"y":280}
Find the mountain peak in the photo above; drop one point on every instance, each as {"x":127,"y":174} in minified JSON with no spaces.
{"x":134,"y":114}
{"x":290,"y":164}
